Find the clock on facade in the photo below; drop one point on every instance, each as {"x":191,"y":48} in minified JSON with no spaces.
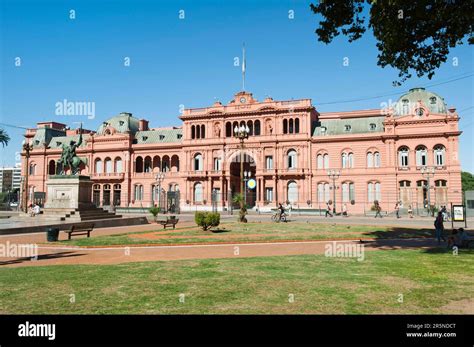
{"x":243,"y":100}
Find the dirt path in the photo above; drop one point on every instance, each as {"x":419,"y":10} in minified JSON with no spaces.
{"x":49,"y":255}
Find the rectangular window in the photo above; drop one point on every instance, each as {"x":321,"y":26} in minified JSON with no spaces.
{"x":269,"y":194}
{"x":345,"y":192}
{"x":269,"y":162}
{"x":351,"y":191}
{"x":217,"y":164}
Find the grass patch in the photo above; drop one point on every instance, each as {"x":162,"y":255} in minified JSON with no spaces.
{"x":238,"y":232}
{"x":430,"y":281}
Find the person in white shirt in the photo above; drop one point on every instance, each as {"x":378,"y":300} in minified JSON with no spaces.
{"x":36,"y":210}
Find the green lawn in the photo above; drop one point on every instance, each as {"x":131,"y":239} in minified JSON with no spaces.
{"x":431,"y":281}
{"x":238,"y":232}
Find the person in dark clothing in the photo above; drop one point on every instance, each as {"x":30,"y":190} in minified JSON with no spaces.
{"x":439,"y":227}
{"x":378,"y":209}
{"x":281,"y":209}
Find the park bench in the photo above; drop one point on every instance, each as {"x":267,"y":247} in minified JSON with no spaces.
{"x":169,"y":221}
{"x":80,"y":229}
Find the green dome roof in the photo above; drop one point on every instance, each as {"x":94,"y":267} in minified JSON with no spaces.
{"x":123,"y":123}
{"x":408,"y":101}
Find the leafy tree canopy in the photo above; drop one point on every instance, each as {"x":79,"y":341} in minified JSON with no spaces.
{"x":4,"y":138}
{"x":467,"y":181}
{"x":411,"y":35}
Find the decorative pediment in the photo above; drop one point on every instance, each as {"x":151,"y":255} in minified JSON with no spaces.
{"x":108,"y":131}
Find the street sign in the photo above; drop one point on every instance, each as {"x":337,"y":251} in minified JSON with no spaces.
{"x":251,"y":183}
{"x":458,"y":213}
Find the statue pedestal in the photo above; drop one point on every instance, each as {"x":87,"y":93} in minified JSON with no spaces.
{"x":68,"y":192}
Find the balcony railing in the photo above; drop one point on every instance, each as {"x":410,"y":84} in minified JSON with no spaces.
{"x":108,"y":175}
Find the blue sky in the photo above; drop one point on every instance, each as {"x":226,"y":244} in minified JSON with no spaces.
{"x":190,"y":62}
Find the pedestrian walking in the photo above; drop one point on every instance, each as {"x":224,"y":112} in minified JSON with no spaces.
{"x":397,"y":209}
{"x":410,"y":211}
{"x":439,"y":228}
{"x":378,"y":209}
{"x":328,"y":210}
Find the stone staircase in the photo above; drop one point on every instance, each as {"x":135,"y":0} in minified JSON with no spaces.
{"x":82,"y":214}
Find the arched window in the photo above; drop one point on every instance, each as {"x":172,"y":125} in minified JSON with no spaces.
{"x":198,"y":132}
{"x":421,"y":156}
{"x":344,"y":160}
{"x":378,"y":191}
{"x":118,"y":165}
{"x":198,"y":196}
{"x":320,"y":161}
{"x":374,"y":191}
{"x":326,"y":161}
{"x":157,"y":162}
{"x":198,"y":164}
{"x":405,"y":184}
{"x":52,"y":167}
{"x":193,"y":132}
{"x":405,"y":104}
{"x":350,"y":158}
{"x":347,"y":160}
{"x":439,"y":152}
{"x":323,"y":192}
{"x":203,"y":131}
{"x":98,"y":166}
{"x":138,"y":192}
{"x":235,"y":124}
{"x":441,"y":183}
{"x":403,"y":156}
{"x":370,"y":159}
{"x":108,"y":166}
{"x":250,"y":125}
{"x":297,"y":125}
{"x":292,"y":192}
{"x":285,"y":126}
{"x":257,"y":127}
{"x":165,"y":164}
{"x":323,"y":161}
{"x":370,"y":192}
{"x":32,"y":170}
{"x":348,"y":192}
{"x":376,"y":159}
{"x":175,"y":163}
{"x":290,"y":126}
{"x":147,"y":164}
{"x":228,"y":129}
{"x":292,"y":159}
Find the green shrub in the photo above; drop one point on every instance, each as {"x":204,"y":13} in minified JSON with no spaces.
{"x":207,"y":220}
{"x":154,"y":211}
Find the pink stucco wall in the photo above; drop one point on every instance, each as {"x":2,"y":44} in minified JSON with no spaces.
{"x":429,"y":130}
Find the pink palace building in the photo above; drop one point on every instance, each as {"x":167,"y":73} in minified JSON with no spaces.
{"x":407,"y":152}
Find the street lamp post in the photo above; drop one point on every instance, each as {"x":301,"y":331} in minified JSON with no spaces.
{"x":246,"y":178}
{"x":27,"y":148}
{"x":242,"y":133}
{"x":160,"y":176}
{"x":428,"y":172}
{"x":334,"y":175}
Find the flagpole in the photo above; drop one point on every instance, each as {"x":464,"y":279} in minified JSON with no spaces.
{"x":243,"y":67}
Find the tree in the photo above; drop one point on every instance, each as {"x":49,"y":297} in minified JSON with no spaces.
{"x":4,"y":138}
{"x":467,"y":181}
{"x":411,"y":35}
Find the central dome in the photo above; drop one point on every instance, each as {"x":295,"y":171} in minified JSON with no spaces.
{"x":407,"y":102}
{"x":123,"y":123}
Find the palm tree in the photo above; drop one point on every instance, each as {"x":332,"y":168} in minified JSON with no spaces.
{"x":4,"y":138}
